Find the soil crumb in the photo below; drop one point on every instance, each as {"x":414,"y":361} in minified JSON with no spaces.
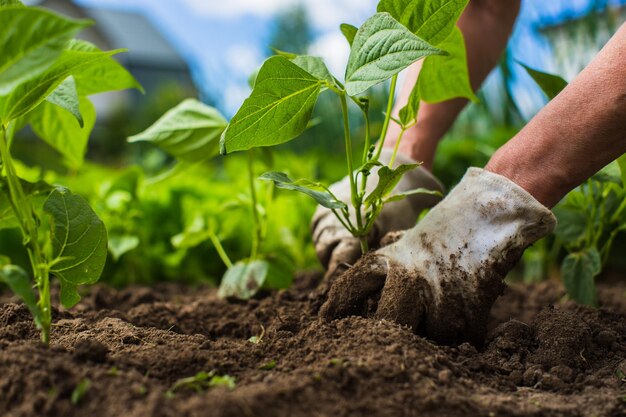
{"x":128,"y":352}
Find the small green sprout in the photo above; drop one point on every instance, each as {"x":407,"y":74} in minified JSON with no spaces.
{"x":202,"y":381}
{"x":268,"y":366}
{"x":79,"y":392}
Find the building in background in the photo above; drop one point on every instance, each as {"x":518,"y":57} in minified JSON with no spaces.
{"x":150,"y":58}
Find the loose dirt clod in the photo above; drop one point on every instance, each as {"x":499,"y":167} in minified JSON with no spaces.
{"x":540,"y":358}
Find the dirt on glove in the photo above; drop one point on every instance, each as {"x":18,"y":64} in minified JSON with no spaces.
{"x":125,"y":350}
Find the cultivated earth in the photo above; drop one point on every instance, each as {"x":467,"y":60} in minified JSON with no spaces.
{"x":543,"y":357}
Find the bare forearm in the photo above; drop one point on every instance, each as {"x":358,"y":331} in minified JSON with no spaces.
{"x":576,"y":134}
{"x":486,"y":26}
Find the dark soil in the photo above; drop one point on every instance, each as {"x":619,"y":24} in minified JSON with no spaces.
{"x":543,"y":357}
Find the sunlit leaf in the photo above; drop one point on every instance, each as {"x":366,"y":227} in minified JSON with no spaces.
{"x":190,"y":131}
{"x":382,"y":48}
{"x":243,"y":279}
{"x":579,"y":271}
{"x":387,"y":180}
{"x":66,"y":97}
{"x":349,"y":32}
{"x":278,"y":109}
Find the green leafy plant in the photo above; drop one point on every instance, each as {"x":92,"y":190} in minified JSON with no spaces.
{"x":287,"y":87}
{"x":202,"y":381}
{"x":589,"y":217}
{"x":45,"y":80}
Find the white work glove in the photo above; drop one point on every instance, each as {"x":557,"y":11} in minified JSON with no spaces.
{"x":334,"y":245}
{"x":442,"y":277}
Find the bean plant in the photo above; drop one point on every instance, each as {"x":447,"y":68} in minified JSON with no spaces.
{"x":287,"y":87}
{"x":46,"y":77}
{"x":589,"y":217}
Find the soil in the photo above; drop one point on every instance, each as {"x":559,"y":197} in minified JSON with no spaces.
{"x":118,"y":353}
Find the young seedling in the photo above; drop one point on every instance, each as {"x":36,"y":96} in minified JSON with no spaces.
{"x":45,"y":80}
{"x":589,"y":217}
{"x":202,"y":381}
{"x":287,"y":87}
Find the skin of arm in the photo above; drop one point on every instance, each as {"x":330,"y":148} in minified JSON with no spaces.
{"x":576,"y":134}
{"x":486,"y":26}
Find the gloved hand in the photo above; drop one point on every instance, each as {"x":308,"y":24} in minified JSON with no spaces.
{"x":442,"y":277}
{"x":335,"y":245}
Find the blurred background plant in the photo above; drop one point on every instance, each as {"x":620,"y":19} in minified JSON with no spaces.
{"x":208,"y":49}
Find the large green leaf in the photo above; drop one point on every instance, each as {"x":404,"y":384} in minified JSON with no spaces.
{"x":550,"y":84}
{"x":66,"y":97}
{"x":314,"y":190}
{"x":579,"y":270}
{"x":59,"y":129}
{"x":431,"y":20}
{"x":387,"y":180}
{"x":79,"y":242}
{"x":243,"y":279}
{"x":445,"y":77}
{"x":278,"y":109}
{"x":107,"y":75}
{"x":30,"y":42}
{"x":190,"y":131}
{"x":30,"y":94}
{"x":382,"y":48}
{"x":20,"y":284}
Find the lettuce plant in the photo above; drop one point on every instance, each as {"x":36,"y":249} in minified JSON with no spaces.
{"x":46,"y":78}
{"x":287,"y":87}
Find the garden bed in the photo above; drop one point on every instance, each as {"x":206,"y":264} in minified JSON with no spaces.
{"x":125,"y":350}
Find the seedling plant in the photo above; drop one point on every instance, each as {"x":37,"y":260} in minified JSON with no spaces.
{"x":287,"y":87}
{"x":45,"y":80}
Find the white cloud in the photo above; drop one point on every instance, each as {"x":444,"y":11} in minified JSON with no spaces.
{"x":234,"y":95}
{"x":334,"y":48}
{"x":243,"y":59}
{"x":324,"y":14}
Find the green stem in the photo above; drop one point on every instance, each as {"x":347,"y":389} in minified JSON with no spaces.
{"x":220,"y":250}
{"x":356,"y":198}
{"x":256,"y":236}
{"x":383,"y":133}
{"x":396,"y":147}
{"x":27,"y":219}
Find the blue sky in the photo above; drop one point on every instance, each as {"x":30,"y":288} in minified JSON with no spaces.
{"x":224,"y":40}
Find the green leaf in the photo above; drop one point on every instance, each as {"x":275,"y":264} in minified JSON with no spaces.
{"x":243,"y":279}
{"x":445,"y":77}
{"x":190,"y":131}
{"x":387,"y":180}
{"x":349,"y":32}
{"x":107,"y":75}
{"x":11,"y":3}
{"x":278,"y":109}
{"x":382,"y":48}
{"x":315,"y":66}
{"x":550,"y":84}
{"x":121,"y":244}
{"x":268,"y":365}
{"x":59,"y":129}
{"x":66,"y":97}
{"x":79,"y":242}
{"x":30,"y":42}
{"x":20,"y":284}
{"x":402,"y":196}
{"x":31,"y":93}
{"x":408,"y":113}
{"x":579,"y":270}
{"x":36,"y":193}
{"x":571,"y":225}
{"x":431,"y":20}
{"x":314,"y":190}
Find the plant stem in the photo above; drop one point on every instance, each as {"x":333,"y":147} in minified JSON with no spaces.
{"x":357,"y":199}
{"x":383,"y":133}
{"x":396,"y":147}
{"x":220,"y":250}
{"x":256,"y":236}
{"x":28,"y":223}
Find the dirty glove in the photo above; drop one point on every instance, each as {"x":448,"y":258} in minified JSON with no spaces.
{"x":334,"y":245}
{"x":442,"y":276}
